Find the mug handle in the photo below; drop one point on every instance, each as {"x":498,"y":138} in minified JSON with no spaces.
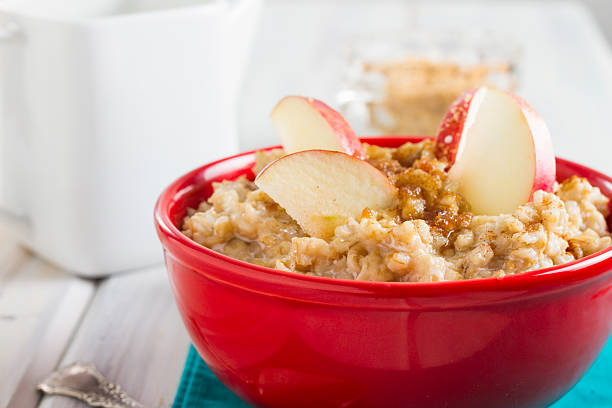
{"x":17,"y":226}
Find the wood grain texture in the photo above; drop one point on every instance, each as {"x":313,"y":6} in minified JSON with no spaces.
{"x":40,"y":308}
{"x":133,"y":334}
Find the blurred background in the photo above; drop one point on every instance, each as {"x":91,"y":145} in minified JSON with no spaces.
{"x":552,"y":53}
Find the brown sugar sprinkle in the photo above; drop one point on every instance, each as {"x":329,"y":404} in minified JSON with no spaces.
{"x":424,"y":192}
{"x":412,"y":203}
{"x":368,"y":213}
{"x":430,"y":235}
{"x":389,"y":167}
{"x":448,"y":221}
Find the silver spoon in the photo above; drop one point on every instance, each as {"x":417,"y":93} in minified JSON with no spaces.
{"x":82,"y":381}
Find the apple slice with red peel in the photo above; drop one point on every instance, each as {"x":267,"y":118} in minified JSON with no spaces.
{"x":499,"y":149}
{"x":306,"y":123}
{"x":320,"y":189}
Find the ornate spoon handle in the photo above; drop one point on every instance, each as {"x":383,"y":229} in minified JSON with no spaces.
{"x":84,"y":382}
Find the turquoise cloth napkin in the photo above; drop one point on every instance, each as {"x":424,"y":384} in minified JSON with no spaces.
{"x":200,"y":388}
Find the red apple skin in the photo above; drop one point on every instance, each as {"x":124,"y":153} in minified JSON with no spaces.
{"x":451,"y":129}
{"x":545,"y":166}
{"x":348,"y":140}
{"x":346,"y":136}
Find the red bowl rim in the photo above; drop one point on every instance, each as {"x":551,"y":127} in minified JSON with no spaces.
{"x":577,"y":270}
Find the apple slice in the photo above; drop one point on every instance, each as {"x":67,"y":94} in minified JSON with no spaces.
{"x":306,"y":123}
{"x":499,"y":150}
{"x":320,"y":189}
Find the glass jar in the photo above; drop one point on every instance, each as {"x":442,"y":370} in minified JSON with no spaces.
{"x":402,"y":84}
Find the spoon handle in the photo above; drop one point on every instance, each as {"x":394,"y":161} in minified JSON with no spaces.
{"x":82,"y":381}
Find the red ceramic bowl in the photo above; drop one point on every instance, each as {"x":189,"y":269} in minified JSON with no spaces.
{"x":280,"y":339}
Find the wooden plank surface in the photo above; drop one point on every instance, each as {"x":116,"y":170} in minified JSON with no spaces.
{"x":40,"y":308}
{"x":133,"y":334}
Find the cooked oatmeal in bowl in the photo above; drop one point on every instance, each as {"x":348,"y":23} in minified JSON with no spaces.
{"x":279,"y":338}
{"x":430,"y":235}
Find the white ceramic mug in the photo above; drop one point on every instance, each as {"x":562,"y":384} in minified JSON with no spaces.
{"x":102,"y":104}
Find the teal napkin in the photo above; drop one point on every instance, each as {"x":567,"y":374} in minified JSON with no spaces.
{"x":200,"y":388}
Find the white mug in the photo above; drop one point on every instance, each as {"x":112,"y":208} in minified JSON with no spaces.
{"x":102,"y":104}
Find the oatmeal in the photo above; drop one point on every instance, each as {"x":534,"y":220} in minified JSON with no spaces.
{"x":431,"y":235}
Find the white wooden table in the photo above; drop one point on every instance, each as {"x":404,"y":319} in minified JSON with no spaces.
{"x":128,"y":326}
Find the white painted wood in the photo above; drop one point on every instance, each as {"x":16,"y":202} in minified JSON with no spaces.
{"x":40,"y":307}
{"x":565,"y":69}
{"x":133,"y":334}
